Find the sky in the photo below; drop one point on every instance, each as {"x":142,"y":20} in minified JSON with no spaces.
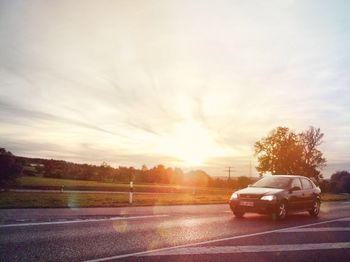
{"x":189,"y":84}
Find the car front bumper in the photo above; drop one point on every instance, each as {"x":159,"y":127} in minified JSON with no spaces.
{"x":254,"y":206}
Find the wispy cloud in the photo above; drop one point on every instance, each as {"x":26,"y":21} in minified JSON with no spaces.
{"x":13,"y":113}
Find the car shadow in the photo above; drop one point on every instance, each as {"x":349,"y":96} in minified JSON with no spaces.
{"x":290,"y":220}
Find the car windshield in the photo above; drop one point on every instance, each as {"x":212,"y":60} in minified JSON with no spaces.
{"x":273,"y":182}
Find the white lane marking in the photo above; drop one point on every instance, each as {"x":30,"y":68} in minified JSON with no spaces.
{"x":80,"y":221}
{"x":209,"y":241}
{"x":316,"y":229}
{"x":250,"y":249}
{"x":345,"y":219}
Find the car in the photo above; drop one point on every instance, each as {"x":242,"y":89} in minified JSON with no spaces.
{"x":277,"y":195}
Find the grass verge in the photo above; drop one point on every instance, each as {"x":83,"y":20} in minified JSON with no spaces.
{"x":53,"y":183}
{"x":334,"y":197}
{"x":77,"y":200}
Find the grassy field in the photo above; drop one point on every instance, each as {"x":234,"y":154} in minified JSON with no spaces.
{"x":184,"y":194}
{"x":76,"y":200}
{"x":335,"y":197}
{"x":43,"y":181}
{"x":52,"y":183}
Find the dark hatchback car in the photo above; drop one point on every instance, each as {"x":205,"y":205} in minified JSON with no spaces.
{"x":277,"y":196}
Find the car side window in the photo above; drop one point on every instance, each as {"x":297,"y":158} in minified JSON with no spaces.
{"x":296,"y":183}
{"x":306,"y":183}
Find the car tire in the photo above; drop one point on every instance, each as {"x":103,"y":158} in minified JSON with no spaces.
{"x":239,"y":213}
{"x":316,"y":204}
{"x":281,"y":211}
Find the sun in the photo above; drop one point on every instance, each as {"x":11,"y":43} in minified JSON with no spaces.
{"x":190,"y":143}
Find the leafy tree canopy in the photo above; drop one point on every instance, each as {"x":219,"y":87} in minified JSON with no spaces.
{"x":340,"y":181}
{"x":10,"y":167}
{"x":286,"y":152}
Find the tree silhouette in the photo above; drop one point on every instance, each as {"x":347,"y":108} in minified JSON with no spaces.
{"x":341,"y":182}
{"x":285,"y":152}
{"x":10,"y":167}
{"x":312,"y":157}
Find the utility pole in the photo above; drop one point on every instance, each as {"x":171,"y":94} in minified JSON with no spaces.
{"x":229,"y":170}
{"x":131,"y":192}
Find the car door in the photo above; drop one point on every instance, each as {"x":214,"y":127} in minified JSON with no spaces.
{"x":307,"y":194}
{"x":295,"y":196}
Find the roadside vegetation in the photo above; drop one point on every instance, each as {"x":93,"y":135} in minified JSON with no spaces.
{"x":12,"y":167}
{"x":78,"y":200}
{"x":67,"y":184}
{"x":335,"y":197}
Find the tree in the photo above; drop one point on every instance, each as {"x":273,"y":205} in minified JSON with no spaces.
{"x":341,"y":182}
{"x":312,"y":157}
{"x":198,"y":178}
{"x":243,"y":181}
{"x":279,"y":153}
{"x":10,"y":167}
{"x":285,"y":152}
{"x":325,"y":185}
{"x":177,"y":177}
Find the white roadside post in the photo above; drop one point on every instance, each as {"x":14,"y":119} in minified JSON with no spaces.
{"x":131,"y":192}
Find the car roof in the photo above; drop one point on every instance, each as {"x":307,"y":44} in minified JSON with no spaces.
{"x":290,"y":176}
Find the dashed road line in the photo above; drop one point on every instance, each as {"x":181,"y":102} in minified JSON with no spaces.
{"x":80,"y":221}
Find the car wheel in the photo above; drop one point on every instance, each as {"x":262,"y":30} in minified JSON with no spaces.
{"x":315,"y":208}
{"x":281,"y":211}
{"x":239,"y":213}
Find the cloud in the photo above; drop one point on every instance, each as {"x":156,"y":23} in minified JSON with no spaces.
{"x":10,"y":112}
{"x":122,"y":77}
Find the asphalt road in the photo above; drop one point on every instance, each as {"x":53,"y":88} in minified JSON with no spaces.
{"x":172,"y":233}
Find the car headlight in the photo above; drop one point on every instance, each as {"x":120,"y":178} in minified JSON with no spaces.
{"x":234,"y":196}
{"x":268,"y":198}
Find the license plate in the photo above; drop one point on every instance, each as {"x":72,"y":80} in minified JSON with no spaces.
{"x":246,"y":203}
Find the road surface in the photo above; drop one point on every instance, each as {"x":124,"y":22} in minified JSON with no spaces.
{"x":172,"y":233}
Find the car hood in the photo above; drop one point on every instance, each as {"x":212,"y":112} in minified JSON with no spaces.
{"x":259,"y":191}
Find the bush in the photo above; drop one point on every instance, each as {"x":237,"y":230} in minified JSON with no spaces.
{"x":340,"y":182}
{"x":10,"y":168}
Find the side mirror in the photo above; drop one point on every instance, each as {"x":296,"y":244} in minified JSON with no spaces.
{"x":294,"y":188}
